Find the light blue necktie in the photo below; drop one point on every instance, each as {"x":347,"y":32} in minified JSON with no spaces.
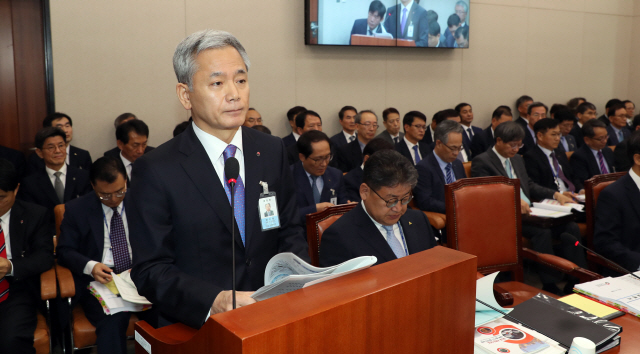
{"x":417,"y":154}
{"x":564,"y":143}
{"x":620,"y":136}
{"x":238,"y":197}
{"x":404,"y":20}
{"x":449,"y":170}
{"x":393,"y":242}
{"x":314,"y":189}
{"x":522,"y":195}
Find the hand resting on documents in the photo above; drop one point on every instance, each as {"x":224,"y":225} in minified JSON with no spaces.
{"x":224,"y":302}
{"x":101,"y":273}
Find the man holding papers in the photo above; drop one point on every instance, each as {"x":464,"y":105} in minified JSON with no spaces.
{"x":94,"y":242}
{"x":381,"y":225}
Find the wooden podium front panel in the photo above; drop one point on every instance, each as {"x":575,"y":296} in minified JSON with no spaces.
{"x":359,"y":39}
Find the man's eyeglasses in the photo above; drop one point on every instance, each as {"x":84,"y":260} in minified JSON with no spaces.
{"x":393,"y":202}
{"x":602,"y":140}
{"x":419,"y":127}
{"x":53,"y":148}
{"x":118,"y":194}
{"x":453,"y":148}
{"x":515,"y":146}
{"x":370,"y":125}
{"x":321,"y":159}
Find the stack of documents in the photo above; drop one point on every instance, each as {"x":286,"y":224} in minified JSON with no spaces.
{"x":119,"y":295}
{"x":621,"y":292}
{"x":552,"y":209}
{"x":287,"y":272}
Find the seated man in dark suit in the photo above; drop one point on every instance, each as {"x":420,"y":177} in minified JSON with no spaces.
{"x":484,"y":140}
{"x":604,"y":117}
{"x":353,"y":179}
{"x":350,"y":156}
{"x":121,"y":119}
{"x":622,"y":162}
{"x":462,"y":37}
{"x":453,"y":23}
{"x":566,"y":121}
{"x":439,"y":168}
{"x":16,"y":158}
{"x":380,"y":225}
{"x":373,"y":23}
{"x":617,"y":129}
{"x":411,"y":147}
{"x":631,"y":111}
{"x":291,"y":116}
{"x":408,"y":20}
{"x":617,"y":224}
{"x":503,"y":160}
{"x":391,"y":122}
{"x":132,"y":137}
{"x":427,"y":138}
{"x":26,"y":251}
{"x":55,"y":183}
{"x":306,"y":121}
{"x":318,"y":185}
{"x":522,"y":105}
{"x":594,"y":157}
{"x":466,"y":118}
{"x":535,"y":112}
{"x":585,"y":112}
{"x":76,"y":157}
{"x":434,"y":35}
{"x":347,"y":116}
{"x":94,"y":242}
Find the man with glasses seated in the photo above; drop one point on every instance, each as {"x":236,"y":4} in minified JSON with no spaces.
{"x":484,"y":140}
{"x":535,"y":112}
{"x":252,"y":118}
{"x":305,"y":121}
{"x":349,"y":156}
{"x":411,"y":146}
{"x":503,"y":160}
{"x":94,"y":242}
{"x":594,"y":157}
{"x":56,"y":183}
{"x":318,"y":186}
{"x":380,"y":225}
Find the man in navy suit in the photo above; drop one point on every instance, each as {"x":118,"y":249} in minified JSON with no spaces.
{"x":318,"y":185}
{"x":566,"y":121}
{"x":347,"y":116}
{"x":182,"y":259}
{"x":617,"y":223}
{"x":439,"y":168}
{"x":55,"y":183}
{"x":408,"y":20}
{"x":604,"y":117}
{"x":535,"y":112}
{"x":411,"y":146}
{"x":349,"y":156}
{"x":594,"y":157}
{"x":291,"y":116}
{"x":76,"y":157}
{"x":391,"y":122}
{"x":305,"y":121}
{"x":353,"y":179}
{"x":453,"y":23}
{"x":131,"y":137}
{"x":26,"y":251}
{"x":373,"y":23}
{"x":522,"y":105}
{"x":95,"y":241}
{"x":586,"y":111}
{"x":617,"y":129}
{"x":484,"y":140}
{"x":381,"y":225}
{"x":466,"y":118}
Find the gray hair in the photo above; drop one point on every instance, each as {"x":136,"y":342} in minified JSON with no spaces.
{"x":184,"y":58}
{"x":388,"y":168}
{"x":508,"y":132}
{"x":443,"y":129}
{"x":358,"y":116}
{"x":464,"y":5}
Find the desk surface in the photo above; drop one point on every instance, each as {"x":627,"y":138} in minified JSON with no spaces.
{"x":630,"y":335}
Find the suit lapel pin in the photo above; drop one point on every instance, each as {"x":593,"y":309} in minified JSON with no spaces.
{"x":410,"y":223}
{"x":21,"y":222}
{"x":74,"y":178}
{"x":258,"y":153}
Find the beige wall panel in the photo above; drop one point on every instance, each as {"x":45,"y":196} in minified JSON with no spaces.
{"x":567,"y":5}
{"x":606,"y":54}
{"x":634,"y":73}
{"x":270,"y":32}
{"x":611,"y":7}
{"x":554,"y":55}
{"x":115,"y":57}
{"x":511,"y":3}
{"x":493,"y":70}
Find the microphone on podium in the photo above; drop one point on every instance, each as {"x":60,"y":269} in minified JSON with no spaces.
{"x":231,"y":171}
{"x":624,"y":270}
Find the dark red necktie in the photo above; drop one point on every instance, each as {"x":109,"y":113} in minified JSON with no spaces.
{"x":4,"y":284}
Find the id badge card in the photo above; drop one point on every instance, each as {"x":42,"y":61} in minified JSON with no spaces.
{"x":334,"y":198}
{"x":410,"y":30}
{"x":268,"y":209}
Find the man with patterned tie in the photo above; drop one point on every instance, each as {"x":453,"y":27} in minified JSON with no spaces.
{"x":94,"y":242}
{"x":411,"y":146}
{"x":617,"y":129}
{"x":182,"y":260}
{"x":503,"y":160}
{"x":26,"y":250}
{"x":391,"y":122}
{"x":408,"y":20}
{"x":347,"y":118}
{"x":381,"y":225}
{"x":594,"y":157}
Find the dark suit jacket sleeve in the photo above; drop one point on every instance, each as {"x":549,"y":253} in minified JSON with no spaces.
{"x":70,"y":240}
{"x":423,"y":192}
{"x":479,"y":168}
{"x":342,"y":191}
{"x":187,"y":298}
{"x":533,"y":168}
{"x":39,"y":257}
{"x":621,"y":159}
{"x":580,"y":168}
{"x":608,"y":232}
{"x":423,"y":28}
{"x":332,"y":248}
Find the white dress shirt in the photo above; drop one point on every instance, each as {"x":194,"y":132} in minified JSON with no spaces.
{"x":410,"y":145}
{"x":319,"y":181}
{"x":383,"y":231}
{"x":68,"y":160}
{"x":4,"y":221}
{"x":215,"y":147}
{"x":348,"y":136}
{"x":52,"y":176}
{"x":634,"y":176}
{"x":107,"y":254}
{"x":295,"y":135}
{"x":128,"y":165}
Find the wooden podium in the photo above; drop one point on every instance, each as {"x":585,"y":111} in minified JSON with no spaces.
{"x":423,"y":303}
{"x":359,"y":39}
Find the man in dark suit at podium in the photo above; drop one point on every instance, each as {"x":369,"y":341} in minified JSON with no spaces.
{"x":373,"y":23}
{"x":408,"y":20}
{"x":182,"y":259}
{"x":381,"y":225}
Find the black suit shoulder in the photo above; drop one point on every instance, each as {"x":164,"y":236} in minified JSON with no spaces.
{"x":16,"y":158}
{"x":352,"y":181}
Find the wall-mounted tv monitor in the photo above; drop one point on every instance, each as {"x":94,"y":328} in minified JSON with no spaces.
{"x":388,"y":23}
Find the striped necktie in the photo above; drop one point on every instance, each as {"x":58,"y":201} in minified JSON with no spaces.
{"x":449,"y":170}
{"x":4,"y":284}
{"x":603,"y":166}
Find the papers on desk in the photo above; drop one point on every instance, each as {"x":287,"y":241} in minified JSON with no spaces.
{"x":502,"y":336}
{"x":546,"y":213}
{"x":552,"y":209}
{"x":119,"y":295}
{"x":621,"y":292}
{"x":287,"y":272}
{"x":484,"y":292}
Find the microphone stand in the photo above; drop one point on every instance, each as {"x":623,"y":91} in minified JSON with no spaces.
{"x":232,"y":185}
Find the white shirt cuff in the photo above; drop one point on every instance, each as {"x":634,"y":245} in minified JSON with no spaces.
{"x":88,"y":269}
{"x":10,"y":274}
{"x":208,"y":315}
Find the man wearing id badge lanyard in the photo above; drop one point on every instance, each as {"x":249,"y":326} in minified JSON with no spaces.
{"x":381,"y":225}
{"x":182,"y":261}
{"x":408,"y":20}
{"x":94,"y":242}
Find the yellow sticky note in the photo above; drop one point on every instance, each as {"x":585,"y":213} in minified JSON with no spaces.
{"x":592,"y":307}
{"x":112,"y":287}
